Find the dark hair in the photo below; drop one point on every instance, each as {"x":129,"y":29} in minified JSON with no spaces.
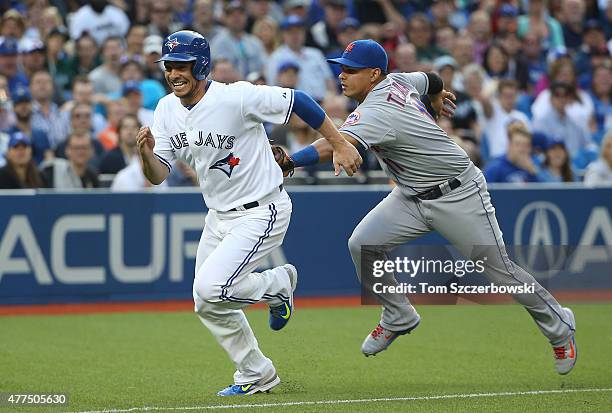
{"x":111,"y":39}
{"x":74,"y":135}
{"x":32,"y":177}
{"x":81,"y":79}
{"x":420,"y":17}
{"x":130,"y":62}
{"x":566,"y":87}
{"x":86,"y":35}
{"x":122,"y":120}
{"x":485,"y":57}
{"x":566,"y":168}
{"x":603,"y":66}
{"x":134,"y":27}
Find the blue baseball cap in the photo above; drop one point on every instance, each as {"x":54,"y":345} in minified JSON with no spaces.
{"x":21,"y":94}
{"x":288,"y":65}
{"x":539,"y":141}
{"x":554,"y":141}
{"x":8,"y":46}
{"x":292,"y":21}
{"x":363,"y":53}
{"x":18,"y":138}
{"x":592,"y":24}
{"x":131,"y":86}
{"x":348,"y":22}
{"x":508,"y":10}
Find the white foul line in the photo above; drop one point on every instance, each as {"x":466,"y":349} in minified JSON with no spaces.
{"x":316,"y":402}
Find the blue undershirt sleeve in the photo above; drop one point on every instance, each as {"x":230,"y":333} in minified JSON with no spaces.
{"x":305,"y":157}
{"x":308,"y":110}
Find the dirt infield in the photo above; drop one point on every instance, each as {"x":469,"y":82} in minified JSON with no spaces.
{"x":146,"y":306}
{"x":590,"y":296}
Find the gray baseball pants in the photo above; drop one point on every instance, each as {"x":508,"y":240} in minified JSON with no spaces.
{"x":466,"y":218}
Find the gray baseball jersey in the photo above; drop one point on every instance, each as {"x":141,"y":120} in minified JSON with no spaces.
{"x":410,"y":146}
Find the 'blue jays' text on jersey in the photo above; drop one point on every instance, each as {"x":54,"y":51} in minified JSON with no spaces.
{"x":224,"y":141}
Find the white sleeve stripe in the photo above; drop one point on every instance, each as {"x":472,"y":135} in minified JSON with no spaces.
{"x":290,"y":109}
{"x":354,"y":135}
{"x":165,"y":162}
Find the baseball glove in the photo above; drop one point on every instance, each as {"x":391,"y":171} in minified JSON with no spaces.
{"x":283,"y":160}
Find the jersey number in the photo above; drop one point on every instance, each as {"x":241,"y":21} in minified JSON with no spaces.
{"x":398,"y":94}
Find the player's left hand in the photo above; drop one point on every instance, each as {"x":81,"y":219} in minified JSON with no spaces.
{"x":347,"y":157}
{"x":283,"y":160}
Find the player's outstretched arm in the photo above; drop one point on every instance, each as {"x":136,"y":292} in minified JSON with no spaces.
{"x":320,"y":151}
{"x":325,"y":150}
{"x":155,"y":171}
{"x":344,"y":155}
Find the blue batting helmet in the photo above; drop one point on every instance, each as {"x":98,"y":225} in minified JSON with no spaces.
{"x":188,"y":46}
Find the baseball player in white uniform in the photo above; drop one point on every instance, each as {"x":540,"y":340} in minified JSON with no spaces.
{"x":217,"y":129}
{"x":438,"y":189}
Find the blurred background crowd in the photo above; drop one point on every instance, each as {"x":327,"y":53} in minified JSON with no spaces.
{"x":532,"y":78}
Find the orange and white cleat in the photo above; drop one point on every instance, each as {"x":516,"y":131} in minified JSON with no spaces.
{"x":380,"y":338}
{"x":566,"y":354}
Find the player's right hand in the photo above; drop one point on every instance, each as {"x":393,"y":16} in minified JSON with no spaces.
{"x":443,"y":103}
{"x":448,"y":104}
{"x":145,"y":141}
{"x":346,"y":156}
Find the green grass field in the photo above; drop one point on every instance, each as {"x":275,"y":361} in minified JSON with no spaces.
{"x":169,"y":361}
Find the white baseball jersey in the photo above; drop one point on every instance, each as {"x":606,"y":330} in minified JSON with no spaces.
{"x":224,"y":141}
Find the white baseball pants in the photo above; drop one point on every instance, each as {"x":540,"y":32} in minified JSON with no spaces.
{"x":231,"y":246}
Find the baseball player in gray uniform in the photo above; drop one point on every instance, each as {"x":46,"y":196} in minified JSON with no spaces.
{"x":438,"y":189}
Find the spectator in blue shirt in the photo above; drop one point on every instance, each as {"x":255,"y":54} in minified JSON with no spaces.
{"x":9,"y":66}
{"x":534,"y":58}
{"x":22,"y":105}
{"x":517,"y":164}
{"x":316,"y":78}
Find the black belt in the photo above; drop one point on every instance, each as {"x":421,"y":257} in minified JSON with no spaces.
{"x":254,"y":204}
{"x":439,"y":190}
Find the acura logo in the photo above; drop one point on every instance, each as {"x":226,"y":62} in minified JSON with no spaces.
{"x":541,"y":226}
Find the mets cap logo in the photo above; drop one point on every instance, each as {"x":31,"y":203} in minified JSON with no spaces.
{"x":352,"y":119}
{"x":349,"y":47}
{"x":171,"y":44}
{"x":227,"y":164}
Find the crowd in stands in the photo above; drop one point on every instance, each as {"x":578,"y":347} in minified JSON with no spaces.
{"x":532,"y":78}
